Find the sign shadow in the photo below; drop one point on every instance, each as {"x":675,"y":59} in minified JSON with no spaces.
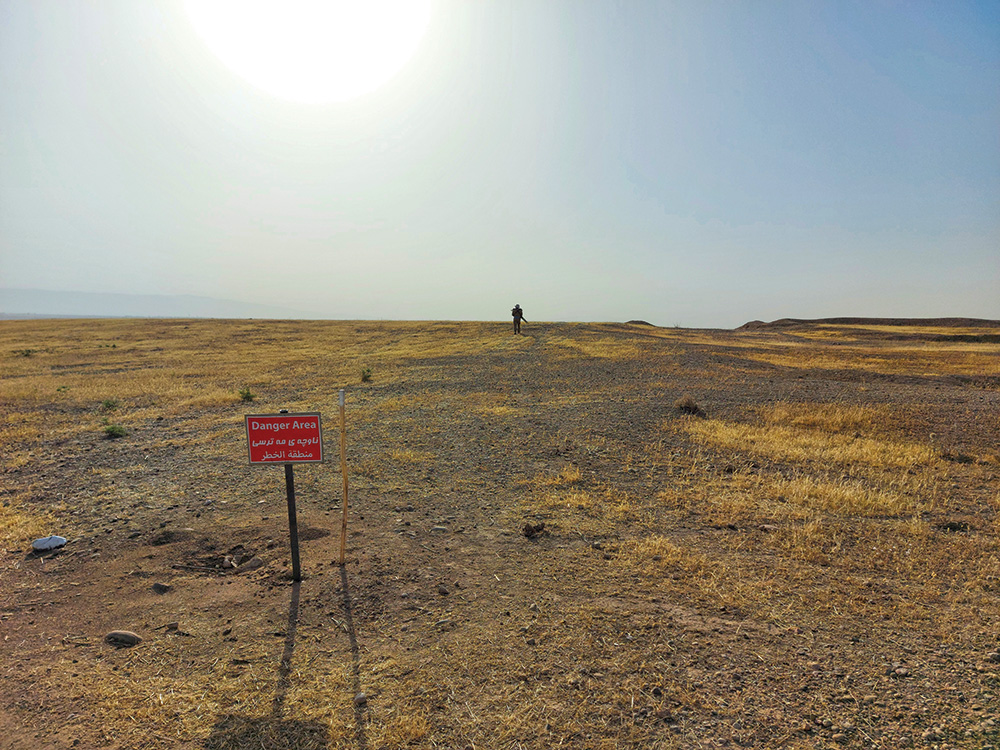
{"x":235,"y":732}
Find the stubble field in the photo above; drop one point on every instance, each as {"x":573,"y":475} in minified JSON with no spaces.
{"x":588,"y":536}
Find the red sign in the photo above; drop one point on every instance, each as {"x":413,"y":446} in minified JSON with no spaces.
{"x":284,"y":438}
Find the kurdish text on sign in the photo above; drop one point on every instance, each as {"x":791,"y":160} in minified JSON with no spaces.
{"x":284,"y":438}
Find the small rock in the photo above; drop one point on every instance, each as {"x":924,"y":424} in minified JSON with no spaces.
{"x":443,"y":590}
{"x":439,"y":528}
{"x":161,"y":588}
{"x":122,"y":638}
{"x":252,"y":564}
{"x":531,"y":530}
{"x":994,"y":657}
{"x":173,"y":625}
{"x":360,"y":699}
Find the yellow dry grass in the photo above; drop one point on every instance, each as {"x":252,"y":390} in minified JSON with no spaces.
{"x":572,"y":500}
{"x":847,"y":497}
{"x":969,"y":360}
{"x":600,"y":347}
{"x":844,"y":330}
{"x":409,"y":456}
{"x":567,"y":476}
{"x":20,"y":524}
{"x":797,"y":444}
{"x":933,"y":351}
{"x":827,"y":417}
{"x":654,"y":554}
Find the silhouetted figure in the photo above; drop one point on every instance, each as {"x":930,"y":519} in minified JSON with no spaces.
{"x":518,"y":314}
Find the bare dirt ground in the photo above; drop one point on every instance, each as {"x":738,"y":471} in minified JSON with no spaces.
{"x":546,"y":547}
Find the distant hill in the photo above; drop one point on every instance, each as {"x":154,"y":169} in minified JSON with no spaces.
{"x":41,"y":303}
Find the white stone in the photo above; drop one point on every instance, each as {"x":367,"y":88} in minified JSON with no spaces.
{"x":49,"y":542}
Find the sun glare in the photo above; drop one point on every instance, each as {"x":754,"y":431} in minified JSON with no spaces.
{"x":312,"y":51}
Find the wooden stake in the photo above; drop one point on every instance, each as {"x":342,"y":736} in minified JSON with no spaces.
{"x":343,"y":471}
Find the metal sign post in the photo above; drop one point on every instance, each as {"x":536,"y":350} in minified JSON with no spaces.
{"x":293,"y":523}
{"x":287,"y":439}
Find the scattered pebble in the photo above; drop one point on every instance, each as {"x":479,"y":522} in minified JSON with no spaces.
{"x":122,"y":638}
{"x":443,"y":590}
{"x":360,"y":699}
{"x":161,"y":588}
{"x":934,"y":733}
{"x":252,"y":564}
{"x":531,"y":530}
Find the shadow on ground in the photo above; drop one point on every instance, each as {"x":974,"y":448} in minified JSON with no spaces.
{"x":236,"y":732}
{"x":239,"y":732}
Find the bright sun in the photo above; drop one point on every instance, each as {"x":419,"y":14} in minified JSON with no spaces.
{"x":312,"y":51}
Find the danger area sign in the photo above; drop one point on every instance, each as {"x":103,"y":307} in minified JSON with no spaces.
{"x":284,"y":438}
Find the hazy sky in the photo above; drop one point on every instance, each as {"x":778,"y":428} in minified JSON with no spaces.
{"x":699,"y":162}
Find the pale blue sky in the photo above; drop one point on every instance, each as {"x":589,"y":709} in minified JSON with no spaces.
{"x":697,"y":163}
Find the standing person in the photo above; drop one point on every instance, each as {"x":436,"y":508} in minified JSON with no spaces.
{"x":518,"y":314}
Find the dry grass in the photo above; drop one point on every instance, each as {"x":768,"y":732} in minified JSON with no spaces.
{"x":567,"y":476}
{"x":854,"y":331}
{"x":19,"y":525}
{"x":653,"y":555}
{"x":595,"y":345}
{"x":809,"y":445}
{"x":409,"y":456}
{"x":847,"y":498}
{"x":914,"y":359}
{"x":685,"y":562}
{"x":828,"y":417}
